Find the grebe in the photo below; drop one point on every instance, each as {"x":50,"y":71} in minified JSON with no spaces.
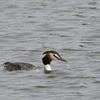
{"x":49,"y":56}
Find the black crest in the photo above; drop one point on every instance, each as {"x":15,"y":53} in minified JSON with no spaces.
{"x":51,"y":52}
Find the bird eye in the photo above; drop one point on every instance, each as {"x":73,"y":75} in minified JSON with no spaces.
{"x":55,"y":56}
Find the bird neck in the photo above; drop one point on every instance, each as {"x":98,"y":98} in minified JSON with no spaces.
{"x":46,"y":60}
{"x":46,"y":63}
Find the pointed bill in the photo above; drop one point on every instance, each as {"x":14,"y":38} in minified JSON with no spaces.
{"x":59,"y":58}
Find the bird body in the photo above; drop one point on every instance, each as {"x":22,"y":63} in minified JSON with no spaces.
{"x":49,"y":56}
{"x":18,"y":66}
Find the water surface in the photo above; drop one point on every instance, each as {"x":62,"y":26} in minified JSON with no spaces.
{"x":28,"y":28}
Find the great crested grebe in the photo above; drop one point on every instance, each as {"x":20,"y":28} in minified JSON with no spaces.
{"x":49,"y":56}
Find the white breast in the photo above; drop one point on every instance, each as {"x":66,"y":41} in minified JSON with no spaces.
{"x":47,"y":67}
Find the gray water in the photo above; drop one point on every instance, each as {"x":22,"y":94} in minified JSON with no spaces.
{"x":30,"y":27}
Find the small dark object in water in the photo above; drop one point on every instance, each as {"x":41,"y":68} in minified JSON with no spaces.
{"x":18,"y":66}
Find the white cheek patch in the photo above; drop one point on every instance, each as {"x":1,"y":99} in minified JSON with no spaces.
{"x":52,"y":56}
{"x":56,"y":55}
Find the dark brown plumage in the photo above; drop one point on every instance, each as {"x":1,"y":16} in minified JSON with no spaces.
{"x":18,"y":66}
